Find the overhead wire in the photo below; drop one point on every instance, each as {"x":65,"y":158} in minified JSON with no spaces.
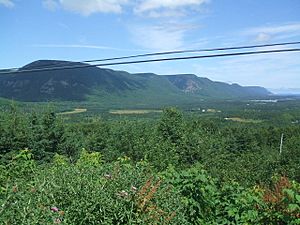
{"x":185,"y":51}
{"x":172,"y":52}
{"x":151,"y":60}
{"x":193,"y":51}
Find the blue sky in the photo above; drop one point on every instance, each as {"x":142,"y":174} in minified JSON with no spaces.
{"x":93,"y":29}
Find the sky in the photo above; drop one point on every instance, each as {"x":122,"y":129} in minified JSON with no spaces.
{"x":80,"y":30}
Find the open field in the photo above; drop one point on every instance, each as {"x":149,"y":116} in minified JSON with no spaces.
{"x":75,"y":111}
{"x":134,"y":111}
{"x":242,"y":120}
{"x":282,"y":112}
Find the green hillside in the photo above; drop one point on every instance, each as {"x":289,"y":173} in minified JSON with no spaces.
{"x":115,"y":87}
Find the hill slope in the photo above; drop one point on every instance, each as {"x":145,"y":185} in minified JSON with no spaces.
{"x":98,"y":84}
{"x":203,"y":86}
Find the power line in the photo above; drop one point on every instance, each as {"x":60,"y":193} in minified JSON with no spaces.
{"x":178,"y":52}
{"x":153,"y":60}
{"x":193,"y":51}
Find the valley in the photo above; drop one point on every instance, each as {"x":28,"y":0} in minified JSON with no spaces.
{"x":149,"y":112}
{"x":126,"y":134}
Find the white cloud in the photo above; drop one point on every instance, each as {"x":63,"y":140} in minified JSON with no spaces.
{"x":268,"y":70}
{"x":263,"y":37}
{"x":160,"y":37}
{"x":64,"y":26}
{"x":265,"y":33}
{"x":166,"y":13}
{"x":166,"y":8}
{"x":152,"y":8}
{"x":275,"y":29}
{"x":87,"y":7}
{"x":50,"y":4}
{"x":79,"y":46}
{"x":149,"y":5}
{"x":169,"y":23}
{"x":7,"y":3}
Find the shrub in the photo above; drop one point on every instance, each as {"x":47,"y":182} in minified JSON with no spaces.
{"x":116,"y":193}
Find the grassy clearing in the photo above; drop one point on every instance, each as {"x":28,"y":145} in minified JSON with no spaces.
{"x":242,"y":120}
{"x":134,"y":111}
{"x":75,"y":111}
{"x":213,"y":110}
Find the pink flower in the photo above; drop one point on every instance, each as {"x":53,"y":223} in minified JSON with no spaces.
{"x":54,"y":209}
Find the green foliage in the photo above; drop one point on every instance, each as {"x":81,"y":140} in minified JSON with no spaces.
{"x":46,"y":135}
{"x":237,"y":205}
{"x":60,"y":160}
{"x":171,"y":125}
{"x":123,"y":192}
{"x":22,"y":165}
{"x":117,"y":193}
{"x":198,"y":193}
{"x":89,"y":159}
{"x":13,"y":135}
{"x":177,"y":170}
{"x":281,"y":202}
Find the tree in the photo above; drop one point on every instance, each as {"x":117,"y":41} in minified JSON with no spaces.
{"x":46,"y":135}
{"x":170,"y":126}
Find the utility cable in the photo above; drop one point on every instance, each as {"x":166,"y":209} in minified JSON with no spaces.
{"x":152,"y":60}
{"x":177,"y":52}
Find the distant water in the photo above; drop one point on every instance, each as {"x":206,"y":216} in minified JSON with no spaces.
{"x":285,"y":91}
{"x":264,"y":100}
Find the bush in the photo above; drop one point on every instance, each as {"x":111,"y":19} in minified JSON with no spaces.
{"x":116,"y":193}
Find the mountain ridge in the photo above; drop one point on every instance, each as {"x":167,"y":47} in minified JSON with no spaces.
{"x":94,"y":83}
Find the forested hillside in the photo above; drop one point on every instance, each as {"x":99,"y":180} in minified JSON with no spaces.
{"x":114,"y":87}
{"x":175,"y":170}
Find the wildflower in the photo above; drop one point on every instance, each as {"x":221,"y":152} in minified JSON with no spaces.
{"x":54,"y":209}
{"x":57,"y":221}
{"x":108,"y":176}
{"x":133,"y":188}
{"x":61,"y":213}
{"x":123,"y":193}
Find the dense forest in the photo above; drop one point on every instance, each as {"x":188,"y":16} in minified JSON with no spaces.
{"x":175,"y":169}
